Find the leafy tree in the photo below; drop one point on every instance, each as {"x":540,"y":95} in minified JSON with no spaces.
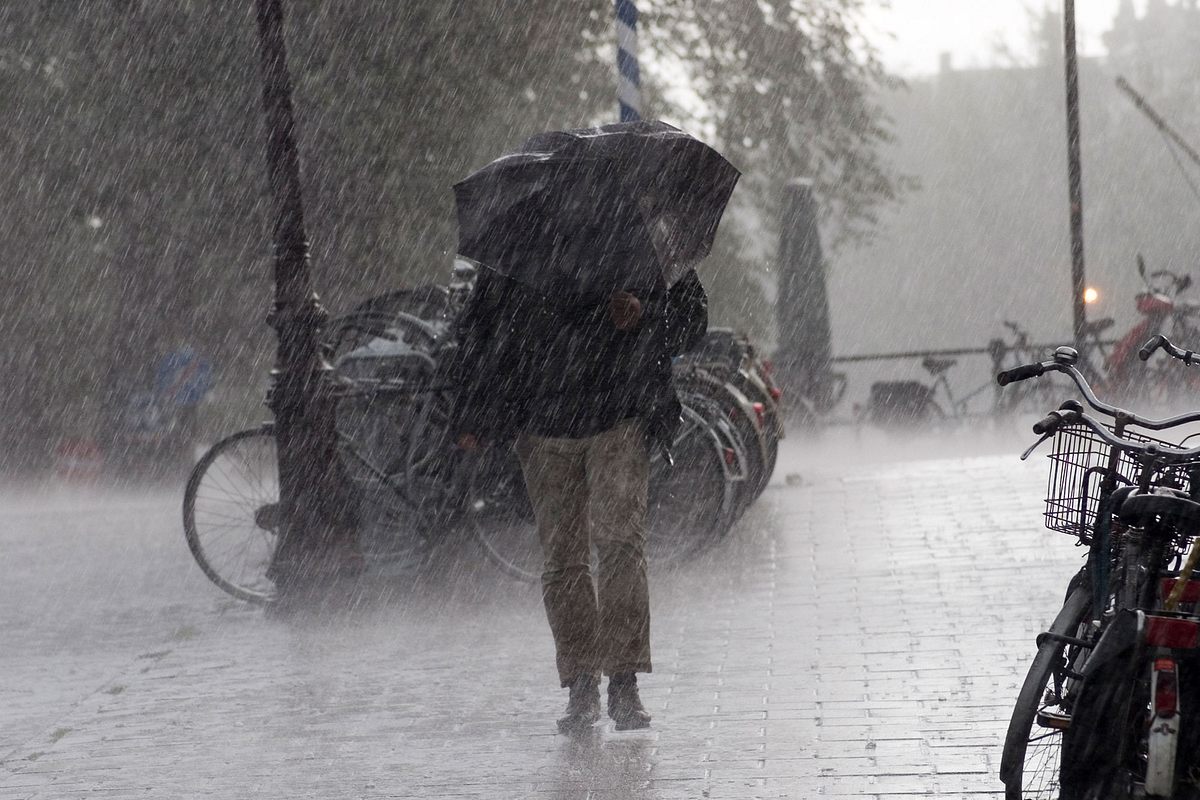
{"x":132,"y":196}
{"x":788,"y":88}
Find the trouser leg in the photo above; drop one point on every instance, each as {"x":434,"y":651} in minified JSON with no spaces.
{"x":617,"y":474}
{"x":556,"y":482}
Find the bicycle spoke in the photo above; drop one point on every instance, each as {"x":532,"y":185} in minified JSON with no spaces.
{"x":232,"y":486}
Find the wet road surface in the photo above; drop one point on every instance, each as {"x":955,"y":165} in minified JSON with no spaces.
{"x":861,"y":633}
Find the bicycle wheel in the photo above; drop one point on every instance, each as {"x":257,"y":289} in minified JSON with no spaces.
{"x":740,"y":414}
{"x":692,"y":503}
{"x":395,"y":450}
{"x":231,"y":513}
{"x":772,"y":428}
{"x":501,"y":516}
{"x":729,"y":453}
{"x":429,"y":302}
{"x":392,"y":536}
{"x":1029,"y":765}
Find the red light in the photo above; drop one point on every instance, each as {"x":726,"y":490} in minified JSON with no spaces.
{"x":730,"y":456}
{"x":1166,"y":688}
{"x":775,"y":392}
{"x":1172,"y":632}
{"x":760,"y":411}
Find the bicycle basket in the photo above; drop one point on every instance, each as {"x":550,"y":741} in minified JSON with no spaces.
{"x":1078,"y":464}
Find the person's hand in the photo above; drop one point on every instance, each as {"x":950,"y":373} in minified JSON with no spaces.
{"x":624,"y":310}
{"x":468,"y":442}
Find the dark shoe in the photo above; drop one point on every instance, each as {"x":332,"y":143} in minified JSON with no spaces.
{"x":625,"y":705}
{"x":583,"y":705}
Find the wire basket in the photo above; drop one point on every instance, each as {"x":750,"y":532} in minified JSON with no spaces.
{"x":1078,"y":465}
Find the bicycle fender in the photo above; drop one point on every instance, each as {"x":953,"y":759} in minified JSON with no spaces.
{"x":1091,"y":745}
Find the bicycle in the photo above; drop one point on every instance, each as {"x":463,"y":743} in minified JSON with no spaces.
{"x":747,"y":418}
{"x":896,"y":405}
{"x":899,"y":405}
{"x":1163,"y":309}
{"x":730,"y":358}
{"x":413,"y":485}
{"x":1100,"y":710}
{"x":710,"y":456}
{"x":692,"y":502}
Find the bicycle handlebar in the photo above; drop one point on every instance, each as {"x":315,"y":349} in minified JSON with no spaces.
{"x":1162,"y":452}
{"x":1158,"y":341}
{"x":1021,"y":373}
{"x":1067,"y":414}
{"x":1064,"y":362}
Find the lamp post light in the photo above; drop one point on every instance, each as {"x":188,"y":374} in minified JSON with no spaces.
{"x":317,"y":529}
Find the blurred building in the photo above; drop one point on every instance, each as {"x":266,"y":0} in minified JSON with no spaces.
{"x":986,"y":237}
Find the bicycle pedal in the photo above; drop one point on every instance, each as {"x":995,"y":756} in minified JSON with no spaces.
{"x":1055,"y":720}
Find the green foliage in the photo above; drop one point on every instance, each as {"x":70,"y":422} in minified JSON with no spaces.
{"x":132,"y":196}
{"x":790,"y":89}
{"x":786,"y":89}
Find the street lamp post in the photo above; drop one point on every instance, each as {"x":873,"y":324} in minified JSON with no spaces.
{"x":316,"y":530}
{"x":1074,"y":174}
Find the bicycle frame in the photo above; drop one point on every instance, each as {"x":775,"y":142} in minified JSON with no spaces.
{"x":1141,"y":551}
{"x":957,"y":406}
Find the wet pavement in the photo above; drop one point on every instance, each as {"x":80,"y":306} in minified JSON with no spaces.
{"x":862,"y":633}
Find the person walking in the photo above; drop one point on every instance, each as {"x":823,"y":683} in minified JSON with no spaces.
{"x":582,"y":384}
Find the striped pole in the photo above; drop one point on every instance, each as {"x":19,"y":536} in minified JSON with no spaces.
{"x":629,"y":77}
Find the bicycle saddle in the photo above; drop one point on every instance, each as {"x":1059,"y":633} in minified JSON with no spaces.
{"x":936,"y":366}
{"x":1170,"y":505}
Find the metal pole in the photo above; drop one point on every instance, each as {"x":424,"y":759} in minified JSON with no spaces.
{"x":1157,"y":120}
{"x":629,"y":75}
{"x":313,"y":525}
{"x":1074,"y":174}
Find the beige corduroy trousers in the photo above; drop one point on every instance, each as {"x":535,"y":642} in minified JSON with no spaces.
{"x":589,"y":491}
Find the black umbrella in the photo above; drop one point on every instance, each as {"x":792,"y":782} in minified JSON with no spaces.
{"x":596,"y":209}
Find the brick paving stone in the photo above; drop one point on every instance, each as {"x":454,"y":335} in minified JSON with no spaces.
{"x":861,"y":635}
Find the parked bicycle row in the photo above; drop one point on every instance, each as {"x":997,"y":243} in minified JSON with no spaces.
{"x":414,"y":490}
{"x":938,"y":399}
{"x":1111,"y":704}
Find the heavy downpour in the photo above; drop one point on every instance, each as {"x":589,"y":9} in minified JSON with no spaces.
{"x":628,"y":399}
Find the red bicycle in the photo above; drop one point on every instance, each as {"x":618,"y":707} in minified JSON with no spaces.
{"x":1163,"y":310}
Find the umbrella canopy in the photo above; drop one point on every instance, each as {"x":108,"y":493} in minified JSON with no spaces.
{"x":596,"y":209}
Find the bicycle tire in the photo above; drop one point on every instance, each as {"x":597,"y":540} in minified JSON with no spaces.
{"x":772,"y":425}
{"x":234,"y":489}
{"x":1020,"y":783}
{"x":730,"y":445}
{"x":502,"y":520}
{"x":692,"y":503}
{"x":366,"y":346}
{"x":396,"y":451}
{"x":741,"y":416}
{"x":428,"y":301}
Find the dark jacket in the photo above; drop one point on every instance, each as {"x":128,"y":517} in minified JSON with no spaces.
{"x":560,"y":368}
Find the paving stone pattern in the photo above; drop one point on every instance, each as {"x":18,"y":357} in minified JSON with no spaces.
{"x":862,"y":634}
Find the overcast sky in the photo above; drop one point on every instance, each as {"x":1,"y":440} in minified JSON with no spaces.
{"x":969,"y":30}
